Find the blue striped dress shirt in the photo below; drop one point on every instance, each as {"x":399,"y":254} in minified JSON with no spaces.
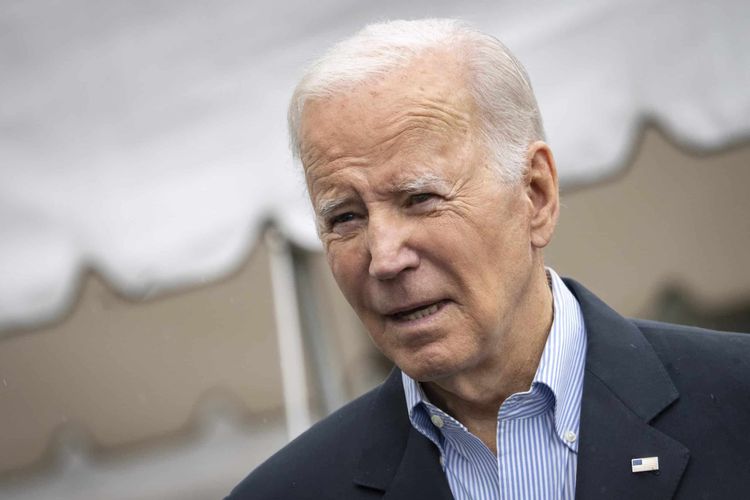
{"x":537,"y":430}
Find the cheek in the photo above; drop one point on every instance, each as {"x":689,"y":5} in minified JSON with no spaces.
{"x":346,"y":267}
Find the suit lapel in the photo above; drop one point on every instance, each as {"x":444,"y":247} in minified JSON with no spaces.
{"x":420,"y":474}
{"x":612,"y":435}
{"x":396,"y":458}
{"x":625,"y":388}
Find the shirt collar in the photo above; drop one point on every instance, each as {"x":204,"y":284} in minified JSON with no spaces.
{"x":560,"y":367}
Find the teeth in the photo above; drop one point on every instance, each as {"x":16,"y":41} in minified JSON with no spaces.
{"x":421,"y":313}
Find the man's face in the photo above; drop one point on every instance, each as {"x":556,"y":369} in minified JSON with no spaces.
{"x":429,"y":248}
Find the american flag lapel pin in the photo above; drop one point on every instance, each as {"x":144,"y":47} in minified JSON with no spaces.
{"x":644,"y":464}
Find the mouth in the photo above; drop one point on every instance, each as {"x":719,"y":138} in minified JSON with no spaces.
{"x":418,"y":312}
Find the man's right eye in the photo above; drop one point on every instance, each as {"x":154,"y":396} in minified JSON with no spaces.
{"x":341,"y":219}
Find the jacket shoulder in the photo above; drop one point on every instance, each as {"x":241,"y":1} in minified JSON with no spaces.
{"x":317,"y":464}
{"x":679,"y":343}
{"x":697,"y":358}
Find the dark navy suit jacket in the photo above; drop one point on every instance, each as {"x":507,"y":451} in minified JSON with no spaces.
{"x":650,"y":389}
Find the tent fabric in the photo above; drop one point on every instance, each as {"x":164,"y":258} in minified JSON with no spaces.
{"x":148,"y":141}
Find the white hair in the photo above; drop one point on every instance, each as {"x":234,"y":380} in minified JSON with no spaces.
{"x":498,"y":83}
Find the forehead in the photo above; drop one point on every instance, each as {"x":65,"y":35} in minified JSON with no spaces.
{"x":428,"y":100}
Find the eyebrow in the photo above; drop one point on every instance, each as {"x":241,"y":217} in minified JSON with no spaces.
{"x":328,"y":206}
{"x":423,"y":182}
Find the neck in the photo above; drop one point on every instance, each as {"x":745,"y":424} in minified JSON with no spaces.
{"x":474,"y":398}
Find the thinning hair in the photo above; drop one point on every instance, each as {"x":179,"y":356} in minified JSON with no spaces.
{"x":509,"y":115}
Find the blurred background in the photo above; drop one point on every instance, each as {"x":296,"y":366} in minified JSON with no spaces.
{"x":167,"y":319}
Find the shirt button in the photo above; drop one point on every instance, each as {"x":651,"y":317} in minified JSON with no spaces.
{"x":442,"y":461}
{"x":437,"y":421}
{"x":570,"y":436}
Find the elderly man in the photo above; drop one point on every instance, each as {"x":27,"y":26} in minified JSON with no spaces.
{"x":435,"y":196}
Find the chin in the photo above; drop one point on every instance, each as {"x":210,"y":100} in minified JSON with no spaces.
{"x":428,"y":367}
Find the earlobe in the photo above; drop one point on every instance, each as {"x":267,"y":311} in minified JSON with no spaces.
{"x":542,"y":188}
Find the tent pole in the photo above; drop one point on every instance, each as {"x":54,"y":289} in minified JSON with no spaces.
{"x":289,"y":334}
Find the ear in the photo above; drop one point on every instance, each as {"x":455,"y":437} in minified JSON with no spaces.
{"x":542,"y":191}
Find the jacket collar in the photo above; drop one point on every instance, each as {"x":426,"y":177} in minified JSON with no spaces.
{"x":625,"y":388}
{"x":395,"y":457}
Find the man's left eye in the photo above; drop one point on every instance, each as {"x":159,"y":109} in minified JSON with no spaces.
{"x":416,"y":199}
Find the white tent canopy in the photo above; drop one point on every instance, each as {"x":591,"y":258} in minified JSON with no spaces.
{"x":148,"y":139}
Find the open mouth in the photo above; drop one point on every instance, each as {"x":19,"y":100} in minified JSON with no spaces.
{"x":418,"y":312}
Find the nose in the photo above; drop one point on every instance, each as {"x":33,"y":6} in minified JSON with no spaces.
{"x":390,"y":252}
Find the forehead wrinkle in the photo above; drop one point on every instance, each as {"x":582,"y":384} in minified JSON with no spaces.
{"x":446,"y":113}
{"x":321,"y":174}
{"x":421,"y":112}
{"x":425,"y":118}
